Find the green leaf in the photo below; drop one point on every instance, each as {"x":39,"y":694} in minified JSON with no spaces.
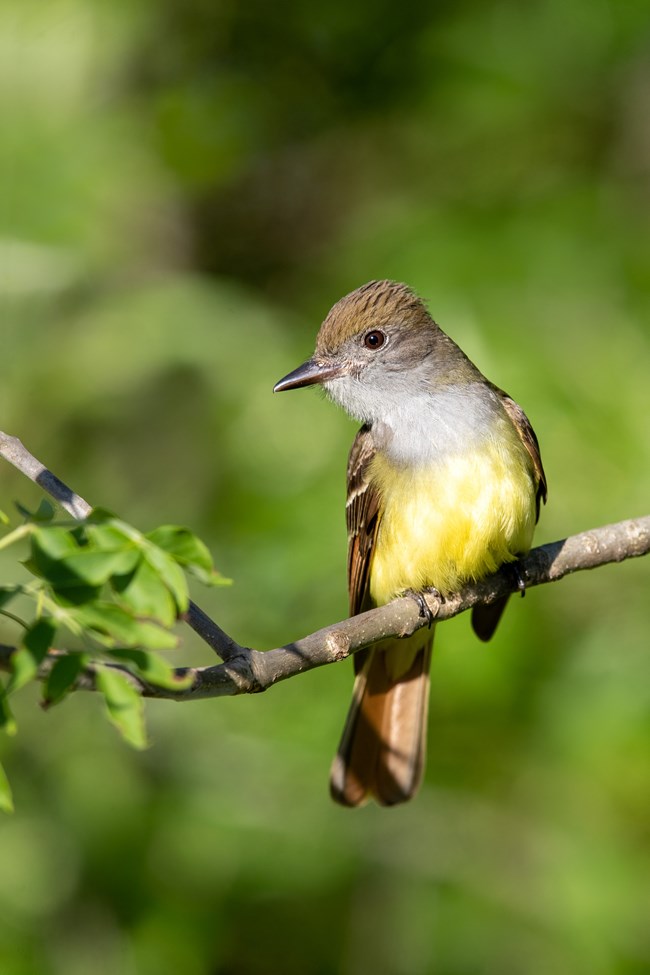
{"x":112,"y":534}
{"x":144,"y":593}
{"x":4,"y":520}
{"x":53,"y":543}
{"x":182,"y":544}
{"x":124,"y":705}
{"x":91,"y":567}
{"x":48,"y":547}
{"x":162,"y":562}
{"x":7,"y":593}
{"x":189,"y":551}
{"x":7,"y":720}
{"x":25,"y":662}
{"x":70,"y":596}
{"x":6,"y":798}
{"x":113,"y":626}
{"x":154,"y":669}
{"x":71,"y":558}
{"x":23,"y":669}
{"x":99,"y":516}
{"x":170,"y":573}
{"x":63,"y":675}
{"x":43,"y":514}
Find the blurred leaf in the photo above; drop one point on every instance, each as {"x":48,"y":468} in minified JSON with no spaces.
{"x":153,"y":669}
{"x":100,"y":515}
{"x":112,"y":626}
{"x":94,"y":568}
{"x":170,"y":573}
{"x":44,"y":513}
{"x":189,"y":551}
{"x":39,"y":637}
{"x":4,"y":520}
{"x":25,"y":662}
{"x":6,"y":798}
{"x":7,"y":593}
{"x":23,"y":670}
{"x":68,"y":596}
{"x":62,"y":676}
{"x":145,"y":594}
{"x":110,"y":534}
{"x":48,"y":547}
{"x":59,"y":558}
{"x":124,"y":705}
{"x":182,"y":544}
{"x":7,"y":720}
{"x":163,"y":562}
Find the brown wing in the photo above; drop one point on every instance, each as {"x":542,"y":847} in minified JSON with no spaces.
{"x":529,"y":440}
{"x":486,"y":618}
{"x":362,"y":508}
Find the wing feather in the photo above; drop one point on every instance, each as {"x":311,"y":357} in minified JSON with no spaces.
{"x":362,"y":515}
{"x":486,"y":618}
{"x":524,"y":429}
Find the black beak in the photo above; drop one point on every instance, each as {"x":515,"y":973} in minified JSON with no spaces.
{"x":309,"y":374}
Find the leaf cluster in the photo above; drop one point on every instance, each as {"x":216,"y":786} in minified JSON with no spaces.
{"x":102,"y":594}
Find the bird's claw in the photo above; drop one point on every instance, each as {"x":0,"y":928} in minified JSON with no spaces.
{"x":424,"y":610}
{"x":519,"y":576}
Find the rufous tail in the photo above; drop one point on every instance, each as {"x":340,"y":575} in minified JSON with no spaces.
{"x":383,"y":746}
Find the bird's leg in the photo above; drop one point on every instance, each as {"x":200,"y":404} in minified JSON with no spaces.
{"x":424,"y":610}
{"x":518,"y":575}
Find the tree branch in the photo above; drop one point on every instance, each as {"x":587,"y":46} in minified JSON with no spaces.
{"x":13,"y":450}
{"x":247,"y":671}
{"x":251,"y":671}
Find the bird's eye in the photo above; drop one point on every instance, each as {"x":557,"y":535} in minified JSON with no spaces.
{"x":374,"y":340}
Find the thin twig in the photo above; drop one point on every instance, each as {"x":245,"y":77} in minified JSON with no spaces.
{"x":13,"y":450}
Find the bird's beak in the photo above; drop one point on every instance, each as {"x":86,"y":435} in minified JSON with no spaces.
{"x":309,"y":374}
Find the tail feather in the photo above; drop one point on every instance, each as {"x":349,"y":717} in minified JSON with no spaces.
{"x":485,"y":619}
{"x":383,"y":745}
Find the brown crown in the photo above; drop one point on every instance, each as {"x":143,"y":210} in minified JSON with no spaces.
{"x":377,"y":304}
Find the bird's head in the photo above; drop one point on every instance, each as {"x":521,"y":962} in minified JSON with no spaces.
{"x":377,"y":345}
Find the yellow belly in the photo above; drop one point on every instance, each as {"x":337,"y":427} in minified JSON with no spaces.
{"x":453,"y":521}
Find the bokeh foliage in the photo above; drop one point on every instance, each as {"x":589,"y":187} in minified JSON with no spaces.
{"x":186,"y":188}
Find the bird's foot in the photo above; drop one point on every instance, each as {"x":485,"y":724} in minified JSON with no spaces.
{"x":518,"y":574}
{"x":424,"y":610}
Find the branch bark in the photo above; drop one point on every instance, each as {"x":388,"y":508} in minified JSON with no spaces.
{"x":246,"y":671}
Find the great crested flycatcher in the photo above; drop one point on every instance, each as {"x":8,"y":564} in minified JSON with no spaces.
{"x":444,"y":482}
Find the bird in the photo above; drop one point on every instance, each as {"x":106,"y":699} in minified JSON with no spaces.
{"x":444,"y":485}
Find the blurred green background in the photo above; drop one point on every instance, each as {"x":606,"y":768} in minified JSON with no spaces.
{"x":185,"y":190}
